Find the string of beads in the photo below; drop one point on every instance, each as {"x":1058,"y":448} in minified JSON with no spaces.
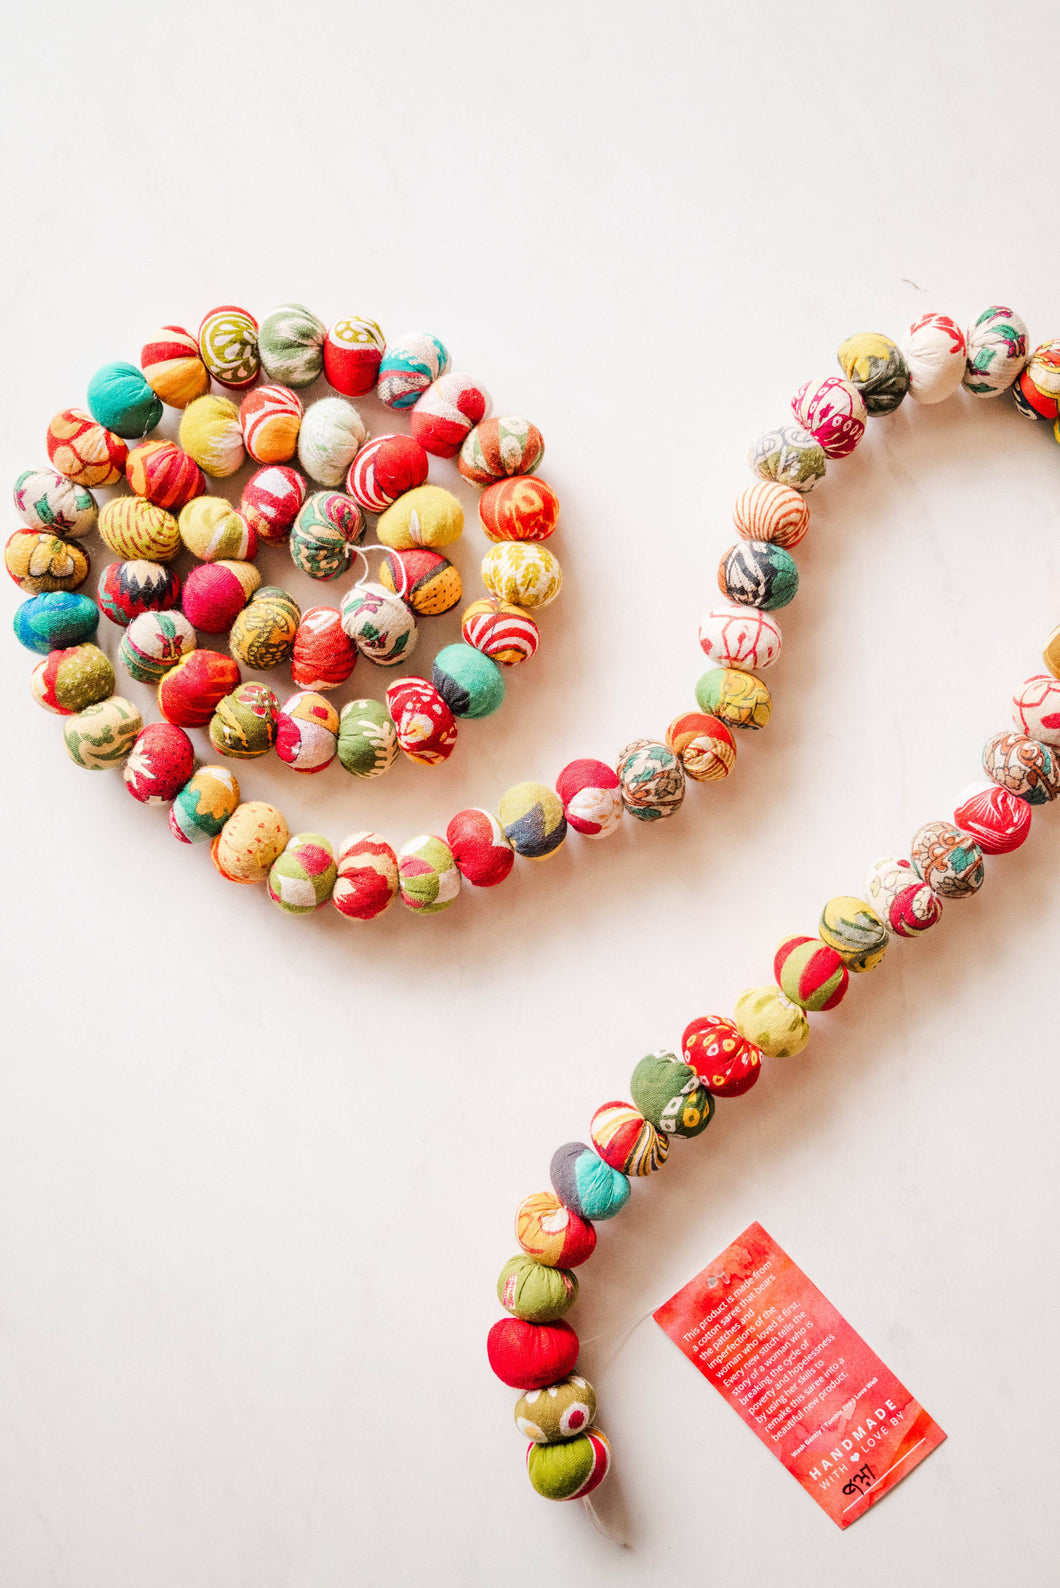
{"x":672,"y":1097}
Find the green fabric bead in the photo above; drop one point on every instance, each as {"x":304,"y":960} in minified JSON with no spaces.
{"x":244,"y":723}
{"x":574,"y":1466}
{"x":302,"y":878}
{"x":291,"y":345}
{"x":120,"y":399}
{"x":527,"y":1289}
{"x":468,"y":681}
{"x":560,"y":1411}
{"x":367,"y":738}
{"x":670,"y":1094}
{"x":102,"y":735}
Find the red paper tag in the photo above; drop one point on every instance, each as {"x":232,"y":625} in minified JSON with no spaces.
{"x":796,"y":1372}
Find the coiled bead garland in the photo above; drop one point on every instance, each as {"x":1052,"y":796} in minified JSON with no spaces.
{"x":533,"y":1348}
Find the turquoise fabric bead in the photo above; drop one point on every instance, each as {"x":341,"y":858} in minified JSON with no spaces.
{"x":56,"y":620}
{"x":120,"y":399}
{"x":468,"y":681}
{"x":586,"y":1184}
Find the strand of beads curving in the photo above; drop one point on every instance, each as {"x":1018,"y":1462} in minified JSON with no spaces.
{"x":534,"y":1349}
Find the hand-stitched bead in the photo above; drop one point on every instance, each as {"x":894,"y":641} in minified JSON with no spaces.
{"x":248,"y":843}
{"x":671,"y":1095}
{"x":559,"y":1411}
{"x":532,"y":818}
{"x":1036,"y":709}
{"x":204,"y":804}
{"x":789,"y":455}
{"x":228,"y":345}
{"x":948,"y":860}
{"x":353,"y":350}
{"x":102,"y":734}
{"x":367,"y":880}
{"x":189,"y":692}
{"x":716,"y":1048}
{"x":855,"y":931}
{"x":271,"y":500}
{"x":409,"y":366}
{"x":758,"y":573}
{"x":154,"y":643}
{"x":164,"y":474}
{"x":523,"y":508}
{"x":531,"y":1355}
{"x":500,"y":447}
{"x":160,"y":763}
{"x":1026,"y":767}
{"x":772,"y":1022}
{"x":447,"y":411}
{"x":481,"y":851}
{"x":626,"y":1140}
{"x":425,"y":726}
{"x":126,"y":589}
{"x":903,"y":901}
{"x":876,"y":368}
{"x":586,"y":1184}
{"x":307,"y":732}
{"x":767,"y":511}
{"x":172,"y":366}
{"x":935,"y":354}
{"x":270,"y":418}
{"x":592,"y":797}
{"x":834,"y":413}
{"x":210,"y":433}
{"x":427,"y":876}
{"x":120,"y":399}
{"x":651,"y":779}
{"x":810,"y":973}
{"x":133,"y":528}
{"x":368,"y":744}
{"x":244,"y":722}
{"x":214,"y":592}
{"x":998,"y":820}
{"x":469,"y":683}
{"x":552,"y":1233}
{"x":262,"y":635}
{"x":739,"y":699}
{"x":301,"y":879}
{"x":424,"y":579}
{"x":291,"y":345}
{"x":323,"y":656}
{"x":67,"y":681}
{"x":534,"y":1291}
{"x":996,"y":352}
{"x":384,"y":469}
{"x":47,"y":500}
{"x":1036,"y":390}
{"x":37,"y":561}
{"x":324,"y":534}
{"x":55,"y":620}
{"x":379,"y":624}
{"x":703,"y":745}
{"x":86,"y":452}
{"x":332,"y":431}
{"x":501,"y":631}
{"x":1051,"y":654}
{"x":571,"y":1469}
{"x":427,"y":516}
{"x":212,"y":530}
{"x":734,"y":635}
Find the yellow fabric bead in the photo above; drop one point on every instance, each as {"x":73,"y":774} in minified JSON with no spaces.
{"x":855,"y":931}
{"x":136,"y":529}
{"x":211,"y":529}
{"x":522,"y":572}
{"x":210,"y":433}
{"x":1051,"y":654}
{"x":427,"y":516}
{"x":772,"y":1022}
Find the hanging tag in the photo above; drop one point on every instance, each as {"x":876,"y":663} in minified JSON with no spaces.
{"x":799,"y":1376}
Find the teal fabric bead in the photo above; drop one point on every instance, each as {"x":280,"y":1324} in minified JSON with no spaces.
{"x":586,"y":1184}
{"x":55,"y":621}
{"x":120,"y":399}
{"x":468,"y":681}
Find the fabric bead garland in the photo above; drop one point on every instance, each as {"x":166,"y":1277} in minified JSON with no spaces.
{"x":534,"y":1350}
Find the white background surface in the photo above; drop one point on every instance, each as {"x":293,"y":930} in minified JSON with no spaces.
{"x":257,"y":1174}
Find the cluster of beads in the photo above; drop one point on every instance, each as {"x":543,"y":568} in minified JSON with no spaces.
{"x":167,"y":510}
{"x":534,"y":1349}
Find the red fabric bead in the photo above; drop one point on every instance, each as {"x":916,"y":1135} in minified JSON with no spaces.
{"x":723,"y":1058}
{"x":189,"y":692}
{"x":449,"y":408}
{"x":324,"y":656}
{"x":520,"y":508}
{"x":426,"y":728}
{"x":213,"y":595}
{"x":164,"y":474}
{"x":530,"y":1355}
{"x":997,"y":819}
{"x":384,"y":469}
{"x":482,"y":853}
{"x":551,"y":1233}
{"x":271,"y":500}
{"x":576,"y":778}
{"x":819,"y":969}
{"x":161,"y":761}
